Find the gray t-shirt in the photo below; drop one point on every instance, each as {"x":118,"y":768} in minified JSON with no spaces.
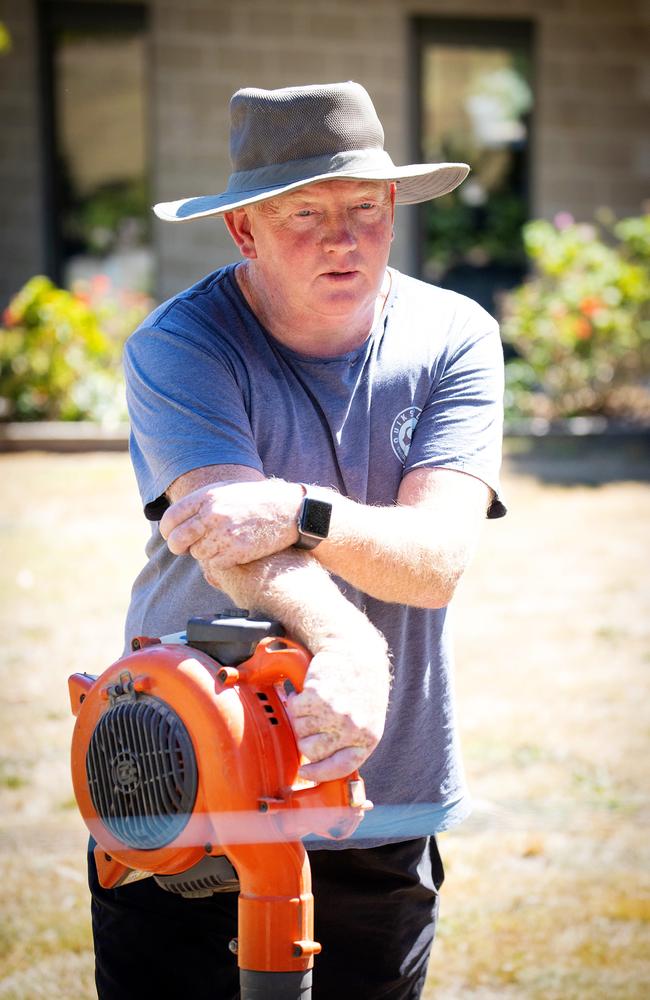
{"x":206,"y":385}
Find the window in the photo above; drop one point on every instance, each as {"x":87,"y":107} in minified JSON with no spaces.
{"x":475,"y":102}
{"x":95,"y":83}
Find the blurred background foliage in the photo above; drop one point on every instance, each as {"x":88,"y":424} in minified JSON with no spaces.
{"x":580,"y":325}
{"x":458,"y":232}
{"x":60,"y":350}
{"x":115,"y":213}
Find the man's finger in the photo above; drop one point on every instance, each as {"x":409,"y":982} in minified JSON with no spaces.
{"x":339,"y":765}
{"x":305,"y":704}
{"x":308,"y":725}
{"x":318,"y":746}
{"x":186,"y":534}
{"x":179,"y":512}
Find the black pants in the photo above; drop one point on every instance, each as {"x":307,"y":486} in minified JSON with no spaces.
{"x":375,"y":916}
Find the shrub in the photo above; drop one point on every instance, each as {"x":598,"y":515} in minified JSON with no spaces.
{"x":581,"y":325}
{"x":60,"y":351}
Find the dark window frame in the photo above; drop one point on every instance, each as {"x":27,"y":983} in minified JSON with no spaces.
{"x":479,"y":32}
{"x":52,"y":16}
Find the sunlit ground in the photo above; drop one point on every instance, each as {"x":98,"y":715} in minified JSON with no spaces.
{"x":548,"y":886}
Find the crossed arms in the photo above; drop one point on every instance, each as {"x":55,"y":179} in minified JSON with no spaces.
{"x":240,"y":527}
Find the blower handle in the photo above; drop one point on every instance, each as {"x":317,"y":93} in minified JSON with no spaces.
{"x":241,"y":642}
{"x":276,"y":660}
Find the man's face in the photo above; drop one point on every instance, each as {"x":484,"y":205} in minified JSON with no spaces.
{"x":322,"y":250}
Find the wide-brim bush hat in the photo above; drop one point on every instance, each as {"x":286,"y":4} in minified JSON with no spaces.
{"x":284,"y":139}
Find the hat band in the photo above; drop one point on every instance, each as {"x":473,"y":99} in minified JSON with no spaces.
{"x":278,"y":174}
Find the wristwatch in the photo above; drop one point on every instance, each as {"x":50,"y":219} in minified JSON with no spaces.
{"x":313,"y":520}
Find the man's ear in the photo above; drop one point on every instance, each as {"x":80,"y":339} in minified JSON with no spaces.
{"x":238,"y":223}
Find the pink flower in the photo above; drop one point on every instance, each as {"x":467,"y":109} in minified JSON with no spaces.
{"x":563,"y":220}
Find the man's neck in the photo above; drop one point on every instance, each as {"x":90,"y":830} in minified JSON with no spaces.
{"x":318,"y":336}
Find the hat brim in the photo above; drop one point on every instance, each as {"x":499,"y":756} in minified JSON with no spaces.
{"x":415,"y":183}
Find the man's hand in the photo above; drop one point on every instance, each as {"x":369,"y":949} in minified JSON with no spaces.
{"x":216,"y":516}
{"x":339,"y":716}
{"x":230,"y":524}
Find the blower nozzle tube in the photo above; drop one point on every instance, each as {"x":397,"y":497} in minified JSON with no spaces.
{"x":275,"y":985}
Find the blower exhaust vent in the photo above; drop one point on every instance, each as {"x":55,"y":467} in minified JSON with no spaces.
{"x":142,"y":772}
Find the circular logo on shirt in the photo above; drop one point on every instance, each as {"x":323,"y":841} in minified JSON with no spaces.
{"x":401,"y":432}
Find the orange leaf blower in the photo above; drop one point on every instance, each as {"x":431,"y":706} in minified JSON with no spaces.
{"x":185,"y":767}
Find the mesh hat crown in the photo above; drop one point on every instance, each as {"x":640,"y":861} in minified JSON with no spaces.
{"x":284,"y":139}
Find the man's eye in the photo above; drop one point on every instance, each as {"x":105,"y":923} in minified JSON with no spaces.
{"x":367,"y":204}
{"x":304,"y":213}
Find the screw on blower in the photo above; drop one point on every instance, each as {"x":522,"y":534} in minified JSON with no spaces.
{"x":185,"y":767}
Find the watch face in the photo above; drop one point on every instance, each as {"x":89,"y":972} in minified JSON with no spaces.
{"x":315,"y":517}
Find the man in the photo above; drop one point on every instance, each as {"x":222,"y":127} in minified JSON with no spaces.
{"x":310,"y":374}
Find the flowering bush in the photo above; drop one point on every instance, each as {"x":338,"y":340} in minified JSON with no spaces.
{"x":581,"y":325}
{"x":60,"y":351}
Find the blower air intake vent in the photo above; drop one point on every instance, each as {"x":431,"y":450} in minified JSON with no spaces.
{"x":142,"y":772}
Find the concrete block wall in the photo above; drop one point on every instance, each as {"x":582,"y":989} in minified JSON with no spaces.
{"x":592,"y":105}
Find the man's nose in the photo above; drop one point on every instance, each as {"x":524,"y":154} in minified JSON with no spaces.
{"x":339,"y":235}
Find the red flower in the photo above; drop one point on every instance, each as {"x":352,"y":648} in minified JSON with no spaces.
{"x":590,"y":305}
{"x":582,"y":328}
{"x":100,"y":285}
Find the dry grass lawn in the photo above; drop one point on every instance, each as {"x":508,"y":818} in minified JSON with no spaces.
{"x":548,"y":885}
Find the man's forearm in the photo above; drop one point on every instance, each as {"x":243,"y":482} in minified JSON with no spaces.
{"x":411,"y":553}
{"x":293,"y":588}
{"x":402,"y":554}
{"x":339,"y":716}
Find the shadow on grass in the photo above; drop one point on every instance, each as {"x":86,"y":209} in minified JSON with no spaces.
{"x":591,"y":460}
